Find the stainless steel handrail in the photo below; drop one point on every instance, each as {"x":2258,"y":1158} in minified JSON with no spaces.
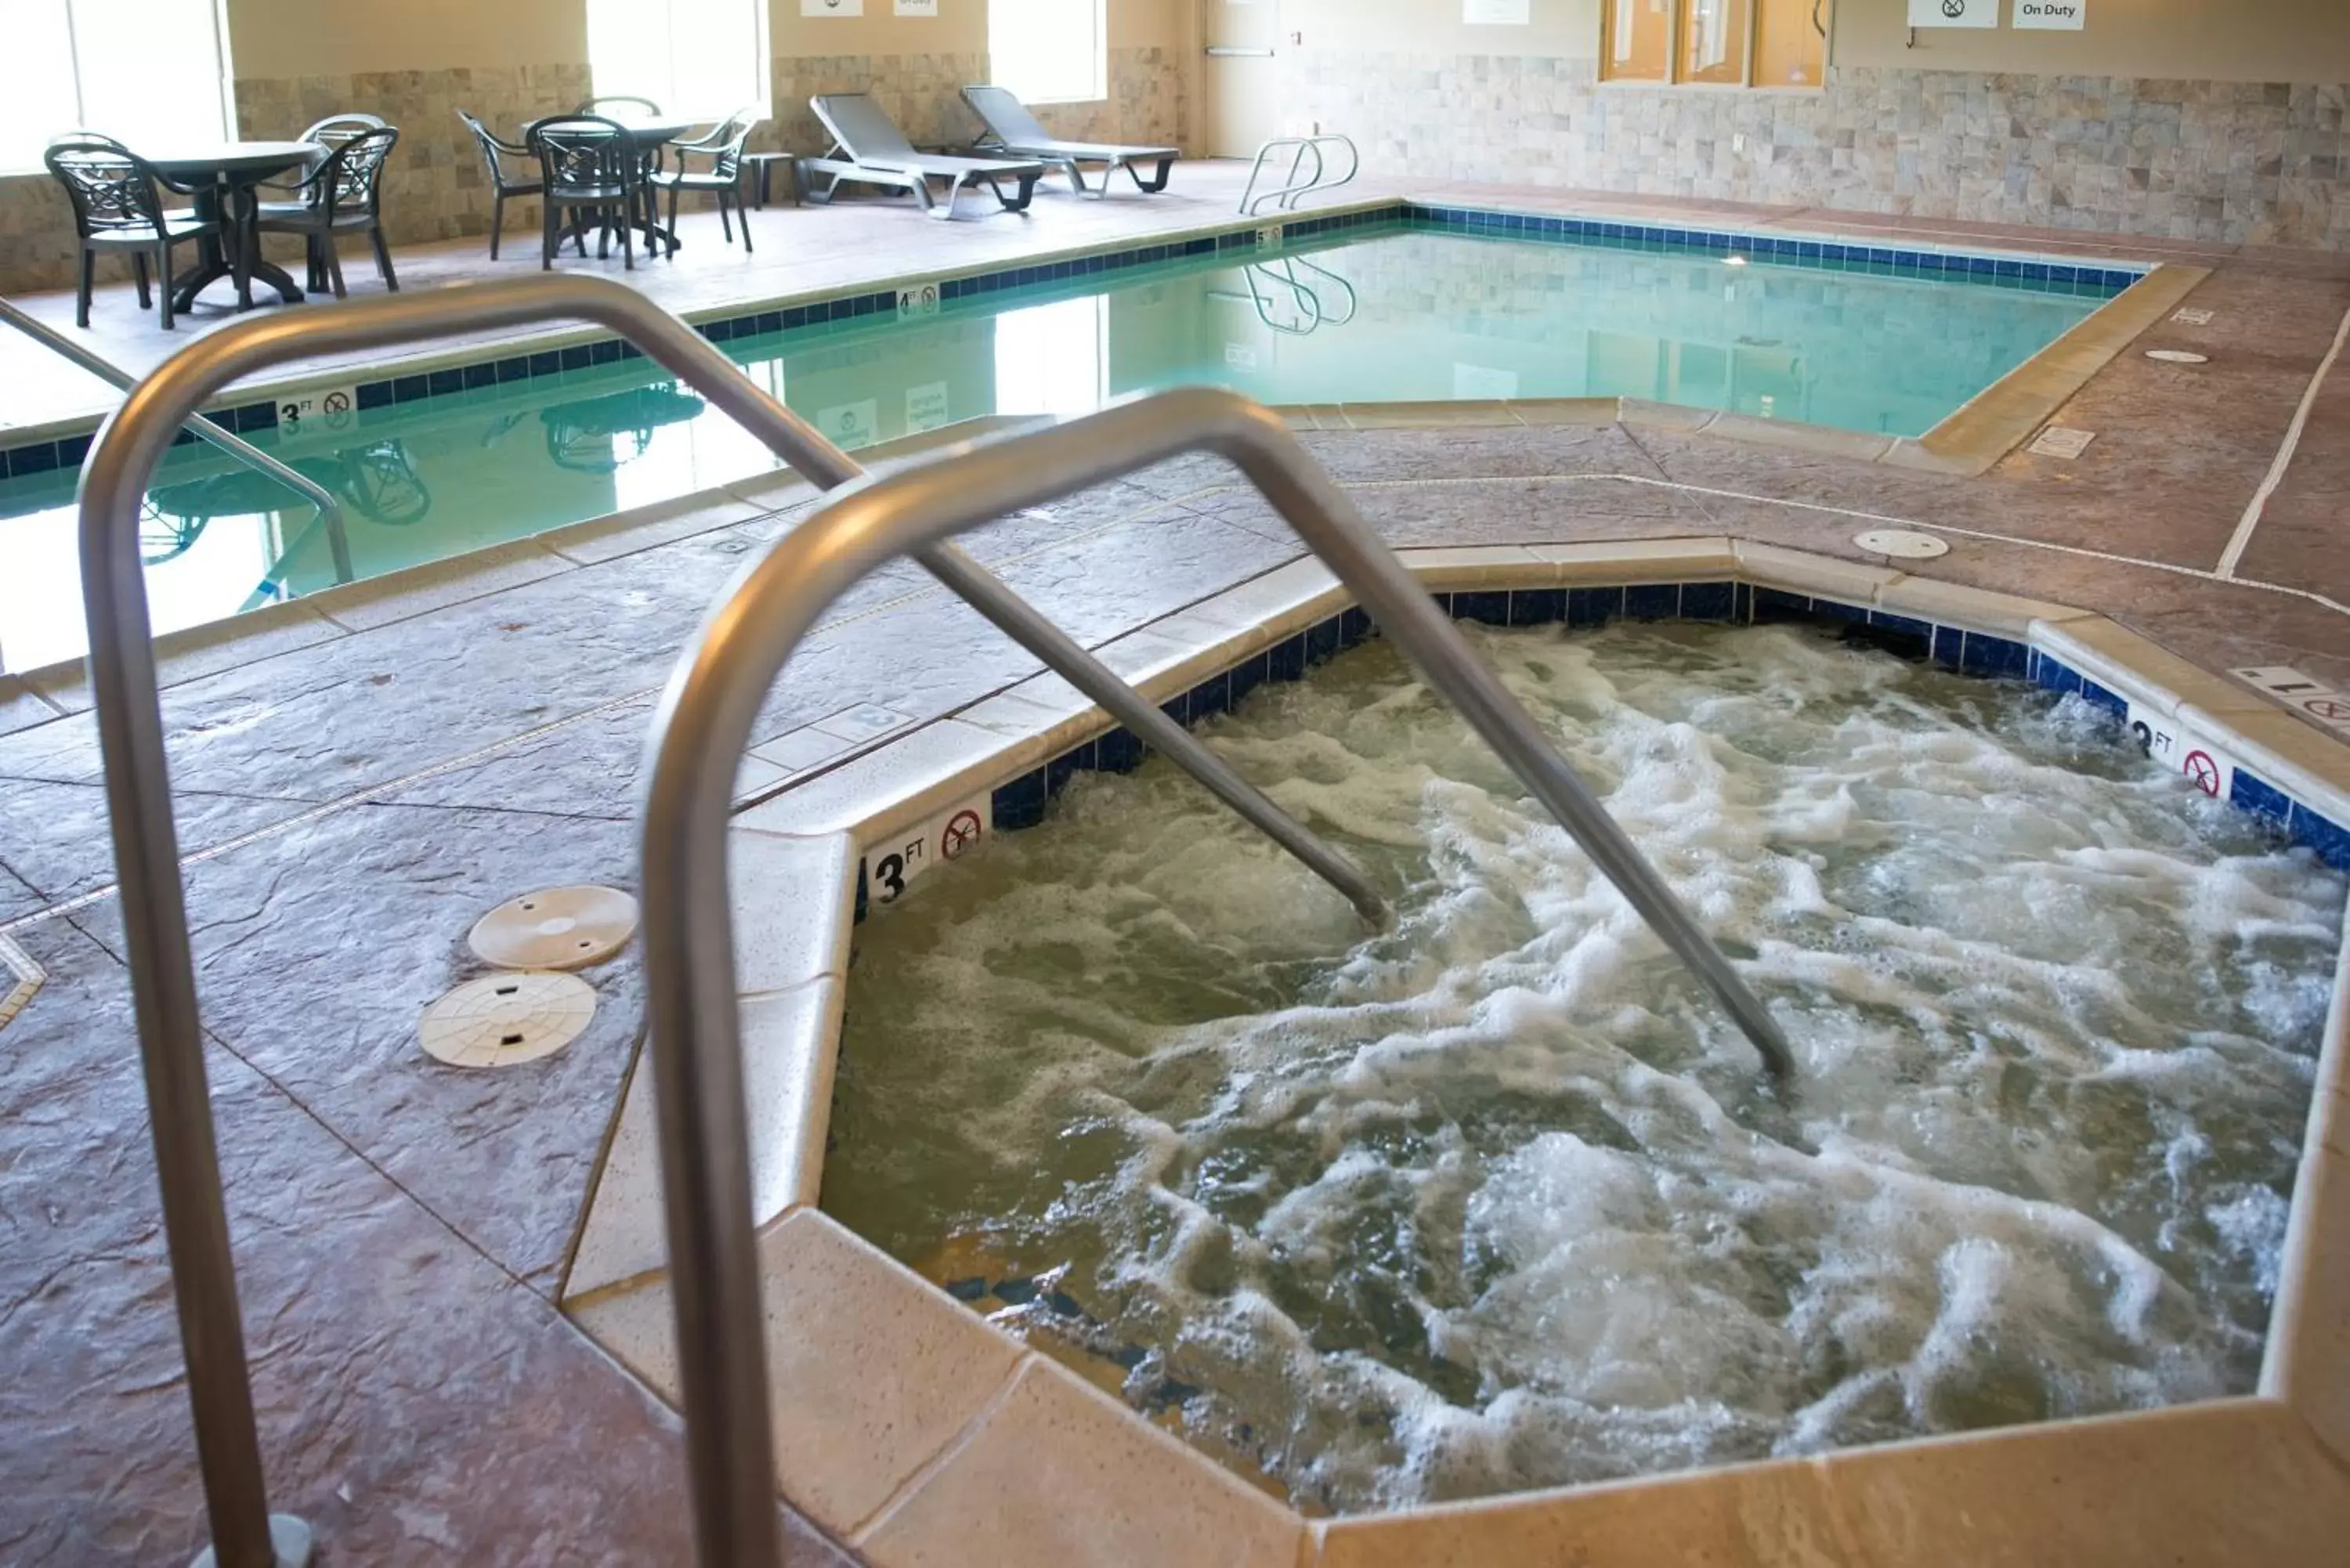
{"x":705,"y":717}
{"x":114,"y":478}
{"x":330,"y":509}
{"x":1297,"y":184}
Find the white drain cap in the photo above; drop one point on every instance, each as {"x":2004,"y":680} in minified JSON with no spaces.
{"x":2178,"y":357}
{"x":1901,"y":544}
{"x":558,"y":927}
{"x":501,"y":1020}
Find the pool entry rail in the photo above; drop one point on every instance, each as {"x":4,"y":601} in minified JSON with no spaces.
{"x":1309,"y":171}
{"x":705,"y":719}
{"x":114,"y":480}
{"x":330,"y":510}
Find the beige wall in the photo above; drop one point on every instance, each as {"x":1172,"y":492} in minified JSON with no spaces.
{"x":2203,"y":40}
{"x":960,"y":29}
{"x":2199,"y":40}
{"x":279,"y":38}
{"x":1567,"y":28}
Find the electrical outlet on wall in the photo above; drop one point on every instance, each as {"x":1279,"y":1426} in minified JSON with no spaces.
{"x":1738,"y":142}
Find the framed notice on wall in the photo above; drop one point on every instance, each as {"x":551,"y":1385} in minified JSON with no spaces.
{"x":832,"y":8}
{"x":1497,"y":13}
{"x":1954,"y":12}
{"x":918,"y":7}
{"x":2052,"y":15}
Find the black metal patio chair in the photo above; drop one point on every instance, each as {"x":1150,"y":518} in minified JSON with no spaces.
{"x":723,"y":179}
{"x":343,"y":195}
{"x":118,"y":207}
{"x":513,"y":171}
{"x":612,"y":104}
{"x":588,"y":167}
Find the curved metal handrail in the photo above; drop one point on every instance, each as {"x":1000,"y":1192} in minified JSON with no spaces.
{"x":330,"y":510}
{"x":114,"y":478}
{"x":706,"y":715}
{"x":1297,"y":184}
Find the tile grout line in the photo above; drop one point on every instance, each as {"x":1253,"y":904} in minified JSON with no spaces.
{"x":905,"y":1491}
{"x":374,"y":793}
{"x":2270,"y":481}
{"x":371,"y":794}
{"x":29,"y":974}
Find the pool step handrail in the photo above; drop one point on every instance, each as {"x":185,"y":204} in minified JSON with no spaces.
{"x":735,"y":1513}
{"x":329,"y":508}
{"x":706,"y":716}
{"x":1309,"y":172}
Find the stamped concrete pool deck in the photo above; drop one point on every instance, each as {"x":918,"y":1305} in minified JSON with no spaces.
{"x":358,"y":783}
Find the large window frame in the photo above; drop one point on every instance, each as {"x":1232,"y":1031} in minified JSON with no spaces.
{"x":60,"y":53}
{"x":1076,"y":76}
{"x":1682,"y":17}
{"x":636,"y":48}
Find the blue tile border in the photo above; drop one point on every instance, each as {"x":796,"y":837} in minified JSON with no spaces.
{"x":1997,"y":271}
{"x":2092,"y":282}
{"x":1022,"y":802}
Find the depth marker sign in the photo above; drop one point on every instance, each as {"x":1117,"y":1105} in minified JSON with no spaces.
{"x":2297,"y":691}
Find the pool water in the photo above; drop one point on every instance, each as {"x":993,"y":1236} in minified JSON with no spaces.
{"x":1499,"y":1201}
{"x":1400,"y":315}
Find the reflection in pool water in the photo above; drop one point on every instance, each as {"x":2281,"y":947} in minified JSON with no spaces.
{"x":1408,"y":316}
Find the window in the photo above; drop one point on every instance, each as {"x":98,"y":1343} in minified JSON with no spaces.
{"x":1717,"y":43}
{"x":143,"y":71}
{"x":1049,"y":51}
{"x":701,"y":59}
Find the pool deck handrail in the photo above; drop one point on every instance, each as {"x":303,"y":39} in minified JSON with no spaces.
{"x":706,"y":716}
{"x":733,"y":1480}
{"x":1296,"y":185}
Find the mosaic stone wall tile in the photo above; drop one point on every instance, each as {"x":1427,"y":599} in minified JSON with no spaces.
{"x":2222,"y":161}
{"x":922,"y":94}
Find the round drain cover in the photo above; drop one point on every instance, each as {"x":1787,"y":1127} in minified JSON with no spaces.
{"x":1901,"y":544}
{"x":560,"y":927}
{"x":499,"y":1019}
{"x":2178,"y":357}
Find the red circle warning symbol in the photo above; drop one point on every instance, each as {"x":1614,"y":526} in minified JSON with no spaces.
{"x":2333,"y":708}
{"x":962,"y":831}
{"x":2204,"y":771}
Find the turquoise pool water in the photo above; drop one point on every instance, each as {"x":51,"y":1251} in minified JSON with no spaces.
{"x":1384,"y":314}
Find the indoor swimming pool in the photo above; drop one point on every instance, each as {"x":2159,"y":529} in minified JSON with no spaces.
{"x":1495,"y":1200}
{"x":1385,"y":312}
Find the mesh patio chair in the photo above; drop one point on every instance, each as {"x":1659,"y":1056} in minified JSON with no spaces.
{"x":513,"y":171}
{"x":612,"y":104}
{"x":343,"y":195}
{"x":117,"y":206}
{"x":588,"y":166}
{"x":723,"y":179}
{"x":337,"y":129}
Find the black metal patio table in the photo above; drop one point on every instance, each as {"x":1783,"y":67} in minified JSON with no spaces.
{"x":220,"y":176}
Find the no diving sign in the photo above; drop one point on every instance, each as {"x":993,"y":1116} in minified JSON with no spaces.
{"x":1954,"y":12}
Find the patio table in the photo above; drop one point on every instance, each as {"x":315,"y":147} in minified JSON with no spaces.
{"x":220,"y":176}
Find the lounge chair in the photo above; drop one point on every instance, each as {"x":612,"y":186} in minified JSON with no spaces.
{"x":1013,"y":131}
{"x":868,"y":148}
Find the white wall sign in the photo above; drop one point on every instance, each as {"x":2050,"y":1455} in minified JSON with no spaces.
{"x":2052,"y":15}
{"x":918,"y":7}
{"x":927,"y":407}
{"x":1954,"y":12}
{"x":1497,"y":13}
{"x":850,"y":425}
{"x":832,"y":8}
